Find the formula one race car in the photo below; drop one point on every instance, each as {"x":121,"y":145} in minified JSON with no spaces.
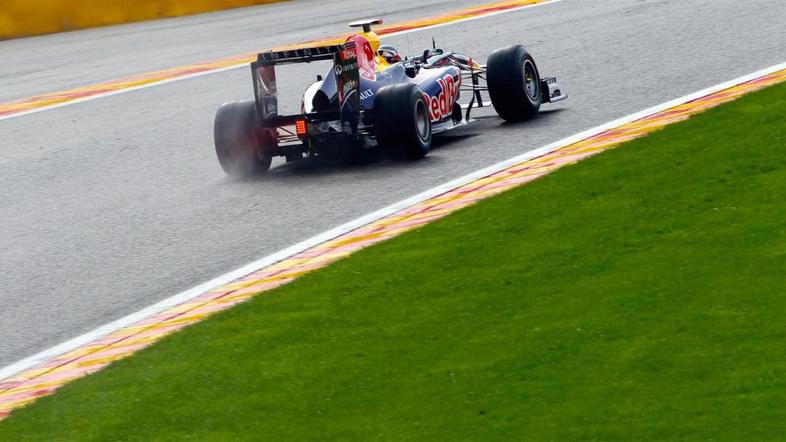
{"x":372,"y":97}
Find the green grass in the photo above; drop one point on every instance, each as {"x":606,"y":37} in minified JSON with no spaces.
{"x":638,"y":295}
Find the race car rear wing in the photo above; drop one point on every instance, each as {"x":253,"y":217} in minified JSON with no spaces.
{"x":302,"y":55}
{"x":347,"y":77}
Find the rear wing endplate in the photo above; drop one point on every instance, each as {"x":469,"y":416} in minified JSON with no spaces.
{"x":347,"y":77}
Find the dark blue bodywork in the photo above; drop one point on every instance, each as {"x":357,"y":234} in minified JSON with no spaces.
{"x":432,"y":81}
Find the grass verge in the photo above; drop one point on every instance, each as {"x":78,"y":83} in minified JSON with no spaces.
{"x":636,"y":295}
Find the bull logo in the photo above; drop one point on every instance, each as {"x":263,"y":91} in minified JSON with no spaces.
{"x":365,"y":56}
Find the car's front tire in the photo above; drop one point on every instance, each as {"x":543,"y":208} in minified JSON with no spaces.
{"x":242,"y":143}
{"x":402,"y":121}
{"x":514,"y":83}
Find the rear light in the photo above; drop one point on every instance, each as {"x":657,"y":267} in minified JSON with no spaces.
{"x":300,"y":128}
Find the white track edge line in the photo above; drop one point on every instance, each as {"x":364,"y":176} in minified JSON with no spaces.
{"x":241,"y":65}
{"x":192,"y":293}
{"x":120,"y":91}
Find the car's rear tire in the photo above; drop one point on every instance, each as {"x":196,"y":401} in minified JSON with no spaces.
{"x":242,"y":144}
{"x":514,"y":83}
{"x":402,"y":121}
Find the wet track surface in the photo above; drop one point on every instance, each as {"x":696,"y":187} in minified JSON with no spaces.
{"x":111,"y":205}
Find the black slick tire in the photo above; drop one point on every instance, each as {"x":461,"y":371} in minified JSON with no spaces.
{"x":242,"y":144}
{"x":402,"y":121}
{"x":514,"y":83}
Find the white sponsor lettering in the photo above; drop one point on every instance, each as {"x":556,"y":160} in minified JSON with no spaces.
{"x":441,"y":105}
{"x":366,"y":94}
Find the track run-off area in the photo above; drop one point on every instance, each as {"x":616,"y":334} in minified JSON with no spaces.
{"x":112,"y":205}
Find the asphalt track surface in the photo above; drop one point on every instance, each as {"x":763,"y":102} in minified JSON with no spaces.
{"x":111,"y":205}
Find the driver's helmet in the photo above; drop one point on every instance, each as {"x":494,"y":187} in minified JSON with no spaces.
{"x":389,"y":53}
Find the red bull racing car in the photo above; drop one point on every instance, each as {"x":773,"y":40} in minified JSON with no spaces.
{"x":373,"y":98}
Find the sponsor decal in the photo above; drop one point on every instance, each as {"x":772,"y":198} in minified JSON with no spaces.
{"x":299,"y":53}
{"x":348,"y":53}
{"x":441,"y":105}
{"x":340,"y":69}
{"x":346,"y":67}
{"x":367,"y":64}
{"x":349,"y":86}
{"x":366,"y":94}
{"x":365,"y":56}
